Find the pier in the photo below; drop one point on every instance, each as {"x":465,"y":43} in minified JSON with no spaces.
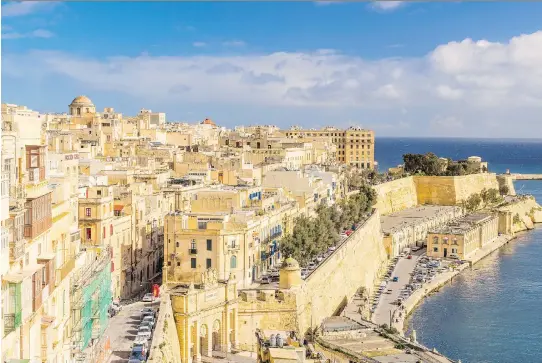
{"x":526,"y":176}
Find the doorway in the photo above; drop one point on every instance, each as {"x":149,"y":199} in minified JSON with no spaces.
{"x":445,"y":252}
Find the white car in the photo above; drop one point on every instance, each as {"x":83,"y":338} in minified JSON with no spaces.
{"x":144,"y":335}
{"x":148,"y":297}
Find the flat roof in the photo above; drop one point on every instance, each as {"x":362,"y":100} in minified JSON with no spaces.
{"x":412,"y":216}
{"x":462,"y":225}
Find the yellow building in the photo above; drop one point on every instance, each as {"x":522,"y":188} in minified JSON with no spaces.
{"x":205,"y":315}
{"x":355,"y":146}
{"x":462,"y":237}
{"x":96,"y":215}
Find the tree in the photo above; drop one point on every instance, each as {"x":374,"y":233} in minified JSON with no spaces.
{"x":504,"y":190}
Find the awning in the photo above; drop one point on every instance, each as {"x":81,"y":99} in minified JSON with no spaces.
{"x":118,"y":207}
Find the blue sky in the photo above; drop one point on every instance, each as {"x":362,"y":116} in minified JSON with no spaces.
{"x":403,"y":69}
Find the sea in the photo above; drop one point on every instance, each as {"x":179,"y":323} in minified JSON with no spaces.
{"x":491,"y":313}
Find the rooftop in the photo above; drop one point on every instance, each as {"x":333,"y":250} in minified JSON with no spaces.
{"x":463,"y":224}
{"x":412,"y":216}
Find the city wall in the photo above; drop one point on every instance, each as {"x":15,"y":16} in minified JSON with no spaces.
{"x":165,"y":346}
{"x":451,"y":190}
{"x":528,"y":211}
{"x":396,"y":195}
{"x":357,"y":263}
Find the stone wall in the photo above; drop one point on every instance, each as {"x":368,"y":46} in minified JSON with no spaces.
{"x":451,"y":190}
{"x":264,"y":310}
{"x":165,"y":346}
{"x":357,"y":263}
{"x":528,"y":210}
{"x":396,"y":195}
{"x":507,"y":180}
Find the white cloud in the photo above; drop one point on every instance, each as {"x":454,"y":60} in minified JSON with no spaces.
{"x":38,"y":33}
{"x":502,"y":81}
{"x":234,"y":43}
{"x":448,"y":93}
{"x":387,"y":5}
{"x":23,"y":8}
{"x":199,"y":44}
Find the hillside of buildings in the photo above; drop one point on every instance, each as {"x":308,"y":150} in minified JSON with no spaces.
{"x":242,"y":230}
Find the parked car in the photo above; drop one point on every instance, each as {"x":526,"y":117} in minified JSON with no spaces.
{"x":265,"y":280}
{"x":148,"y":297}
{"x":116,"y":306}
{"x":148,"y":320}
{"x":395,"y":279}
{"x":332,"y":248}
{"x":312,"y":266}
{"x":409,"y":257}
{"x":144,"y":334}
{"x":141,"y":341}
{"x":138,"y":352}
{"x":274,"y":273}
{"x":148,"y":311}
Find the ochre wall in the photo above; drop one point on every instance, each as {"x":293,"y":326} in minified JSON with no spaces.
{"x":396,"y":195}
{"x":355,"y":264}
{"x":529,"y":212}
{"x":451,"y":190}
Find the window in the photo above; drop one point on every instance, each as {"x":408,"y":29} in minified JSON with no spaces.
{"x":99,"y":192}
{"x":233,"y":262}
{"x":111,"y":229}
{"x":435,"y":240}
{"x":435,"y":249}
{"x":193,"y":244}
{"x":179,"y":264}
{"x":208,"y":263}
{"x":209,"y":245}
{"x":169,"y":263}
{"x":177,"y":244}
{"x":104,"y":232}
{"x":87,"y":212}
{"x":193,"y":262}
{"x":89,"y":233}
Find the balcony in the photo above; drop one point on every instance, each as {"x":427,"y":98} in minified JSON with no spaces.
{"x":34,"y":175}
{"x":193,"y":251}
{"x":234,"y":247}
{"x":16,"y":250}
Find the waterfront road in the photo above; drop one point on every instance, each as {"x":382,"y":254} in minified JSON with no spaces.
{"x":402,"y":270}
{"x":122,"y":330}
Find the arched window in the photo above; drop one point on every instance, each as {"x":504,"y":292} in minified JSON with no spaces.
{"x":233,"y":262}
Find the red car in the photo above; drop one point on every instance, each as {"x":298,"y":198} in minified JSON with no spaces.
{"x":348,"y":233}
{"x":409,"y":257}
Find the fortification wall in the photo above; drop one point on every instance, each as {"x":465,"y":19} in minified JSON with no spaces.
{"x":528,"y":211}
{"x":451,"y":190}
{"x":265,"y":310}
{"x":508,"y":181}
{"x":357,"y":263}
{"x":396,"y":195}
{"x":165,"y":346}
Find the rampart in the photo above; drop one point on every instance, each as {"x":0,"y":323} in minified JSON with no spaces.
{"x":451,"y":190}
{"x":519,"y":214}
{"x":165,"y":346}
{"x":356,"y":263}
{"x":396,"y":195}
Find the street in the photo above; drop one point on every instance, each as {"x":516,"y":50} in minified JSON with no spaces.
{"x":403,"y":269}
{"x":122,"y":330}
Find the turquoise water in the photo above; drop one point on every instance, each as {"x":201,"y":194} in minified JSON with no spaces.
{"x":492,"y":312}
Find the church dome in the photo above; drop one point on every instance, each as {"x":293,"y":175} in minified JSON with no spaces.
{"x":82,"y":101}
{"x":208,"y":122}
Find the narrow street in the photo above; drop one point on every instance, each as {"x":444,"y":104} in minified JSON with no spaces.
{"x":122,"y":330}
{"x":403,"y":269}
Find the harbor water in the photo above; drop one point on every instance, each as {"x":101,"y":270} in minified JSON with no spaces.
{"x":491,"y":313}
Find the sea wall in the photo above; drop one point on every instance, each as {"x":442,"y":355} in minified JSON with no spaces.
{"x":165,"y":346}
{"x":522,"y":212}
{"x":396,"y":195}
{"x":357,"y":263}
{"x":451,"y":190}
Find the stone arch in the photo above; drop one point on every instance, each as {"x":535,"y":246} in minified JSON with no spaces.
{"x":217,"y":336}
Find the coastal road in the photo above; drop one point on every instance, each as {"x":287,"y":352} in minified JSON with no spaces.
{"x":403,"y":269}
{"x":122,"y":330}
